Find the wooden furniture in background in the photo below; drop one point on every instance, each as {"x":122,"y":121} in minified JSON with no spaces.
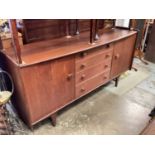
{"x":150,"y":49}
{"x":150,"y":128}
{"x":140,"y":26}
{"x":53,"y":73}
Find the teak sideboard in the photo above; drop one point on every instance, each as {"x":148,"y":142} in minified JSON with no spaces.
{"x":56,"y":72}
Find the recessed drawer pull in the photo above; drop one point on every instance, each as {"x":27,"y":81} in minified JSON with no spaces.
{"x":116,"y":56}
{"x":83,"y":66}
{"x":105,"y":77}
{"x":106,"y":66}
{"x":83,"y":77}
{"x":107,"y":56}
{"x":108,"y":45}
{"x":83,"y":54}
{"x":69,"y":76}
{"x":83,"y":89}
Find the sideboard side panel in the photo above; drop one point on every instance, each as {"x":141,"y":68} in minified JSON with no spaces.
{"x":38,"y":84}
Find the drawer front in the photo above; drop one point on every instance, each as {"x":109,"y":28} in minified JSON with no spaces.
{"x":91,"y":84}
{"x":90,"y":53}
{"x":93,"y":60}
{"x":92,"y":71}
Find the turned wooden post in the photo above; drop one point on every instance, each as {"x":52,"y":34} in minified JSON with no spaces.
{"x":67,"y":28}
{"x":131,"y":24}
{"x":77,"y":27}
{"x":14,"y":33}
{"x":24,"y":32}
{"x":113,"y":23}
{"x":96,"y":30}
{"x":91,"y":31}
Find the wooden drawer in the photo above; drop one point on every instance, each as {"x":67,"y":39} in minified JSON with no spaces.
{"x":95,"y":58}
{"x":91,"y":84}
{"x":92,"y":71}
{"x":90,"y":53}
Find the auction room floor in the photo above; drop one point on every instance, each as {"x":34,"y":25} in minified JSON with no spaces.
{"x":108,"y":110}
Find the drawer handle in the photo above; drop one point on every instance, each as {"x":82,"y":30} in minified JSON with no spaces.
{"x":83,"y":54}
{"x":108,"y":45}
{"x":69,"y":76}
{"x":83,"y":89}
{"x":106,"y":66}
{"x":83,"y":77}
{"x":83,"y":66}
{"x":107,"y":56}
{"x":117,"y":56}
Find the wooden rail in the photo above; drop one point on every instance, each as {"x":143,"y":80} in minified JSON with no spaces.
{"x":14,"y":33}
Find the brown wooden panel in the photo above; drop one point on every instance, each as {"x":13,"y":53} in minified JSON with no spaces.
{"x":52,"y":49}
{"x":18,"y":99}
{"x":41,"y":29}
{"x":48,"y":86}
{"x":150,"y":49}
{"x":122,"y":57}
{"x":91,"y":84}
{"x":64,"y":80}
{"x":39,"y":88}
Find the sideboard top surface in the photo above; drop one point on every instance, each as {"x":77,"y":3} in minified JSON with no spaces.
{"x":42,"y":51}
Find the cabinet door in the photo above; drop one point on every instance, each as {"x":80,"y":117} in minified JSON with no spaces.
{"x":122,"y":56}
{"x":64,"y":80}
{"x":48,"y":86}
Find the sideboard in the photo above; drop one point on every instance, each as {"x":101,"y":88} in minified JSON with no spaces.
{"x":56,"y":72}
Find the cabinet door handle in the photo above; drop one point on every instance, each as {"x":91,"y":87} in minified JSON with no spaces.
{"x":69,"y":76}
{"x":117,"y":56}
{"x":83,"y":89}
{"x":83,"y":77}
{"x":83,"y":66}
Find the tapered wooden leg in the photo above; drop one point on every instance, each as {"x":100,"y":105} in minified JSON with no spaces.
{"x":135,"y":69}
{"x":116,"y":81}
{"x":53,"y":119}
{"x":31,"y":128}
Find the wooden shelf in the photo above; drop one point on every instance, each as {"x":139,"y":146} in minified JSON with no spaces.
{"x":38,"y":52}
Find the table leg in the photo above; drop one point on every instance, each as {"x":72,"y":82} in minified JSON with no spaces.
{"x":53,"y":119}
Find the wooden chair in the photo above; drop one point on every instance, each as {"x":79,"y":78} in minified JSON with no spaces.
{"x":5,"y":96}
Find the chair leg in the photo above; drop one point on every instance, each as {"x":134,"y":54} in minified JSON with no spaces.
{"x":53,"y":119}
